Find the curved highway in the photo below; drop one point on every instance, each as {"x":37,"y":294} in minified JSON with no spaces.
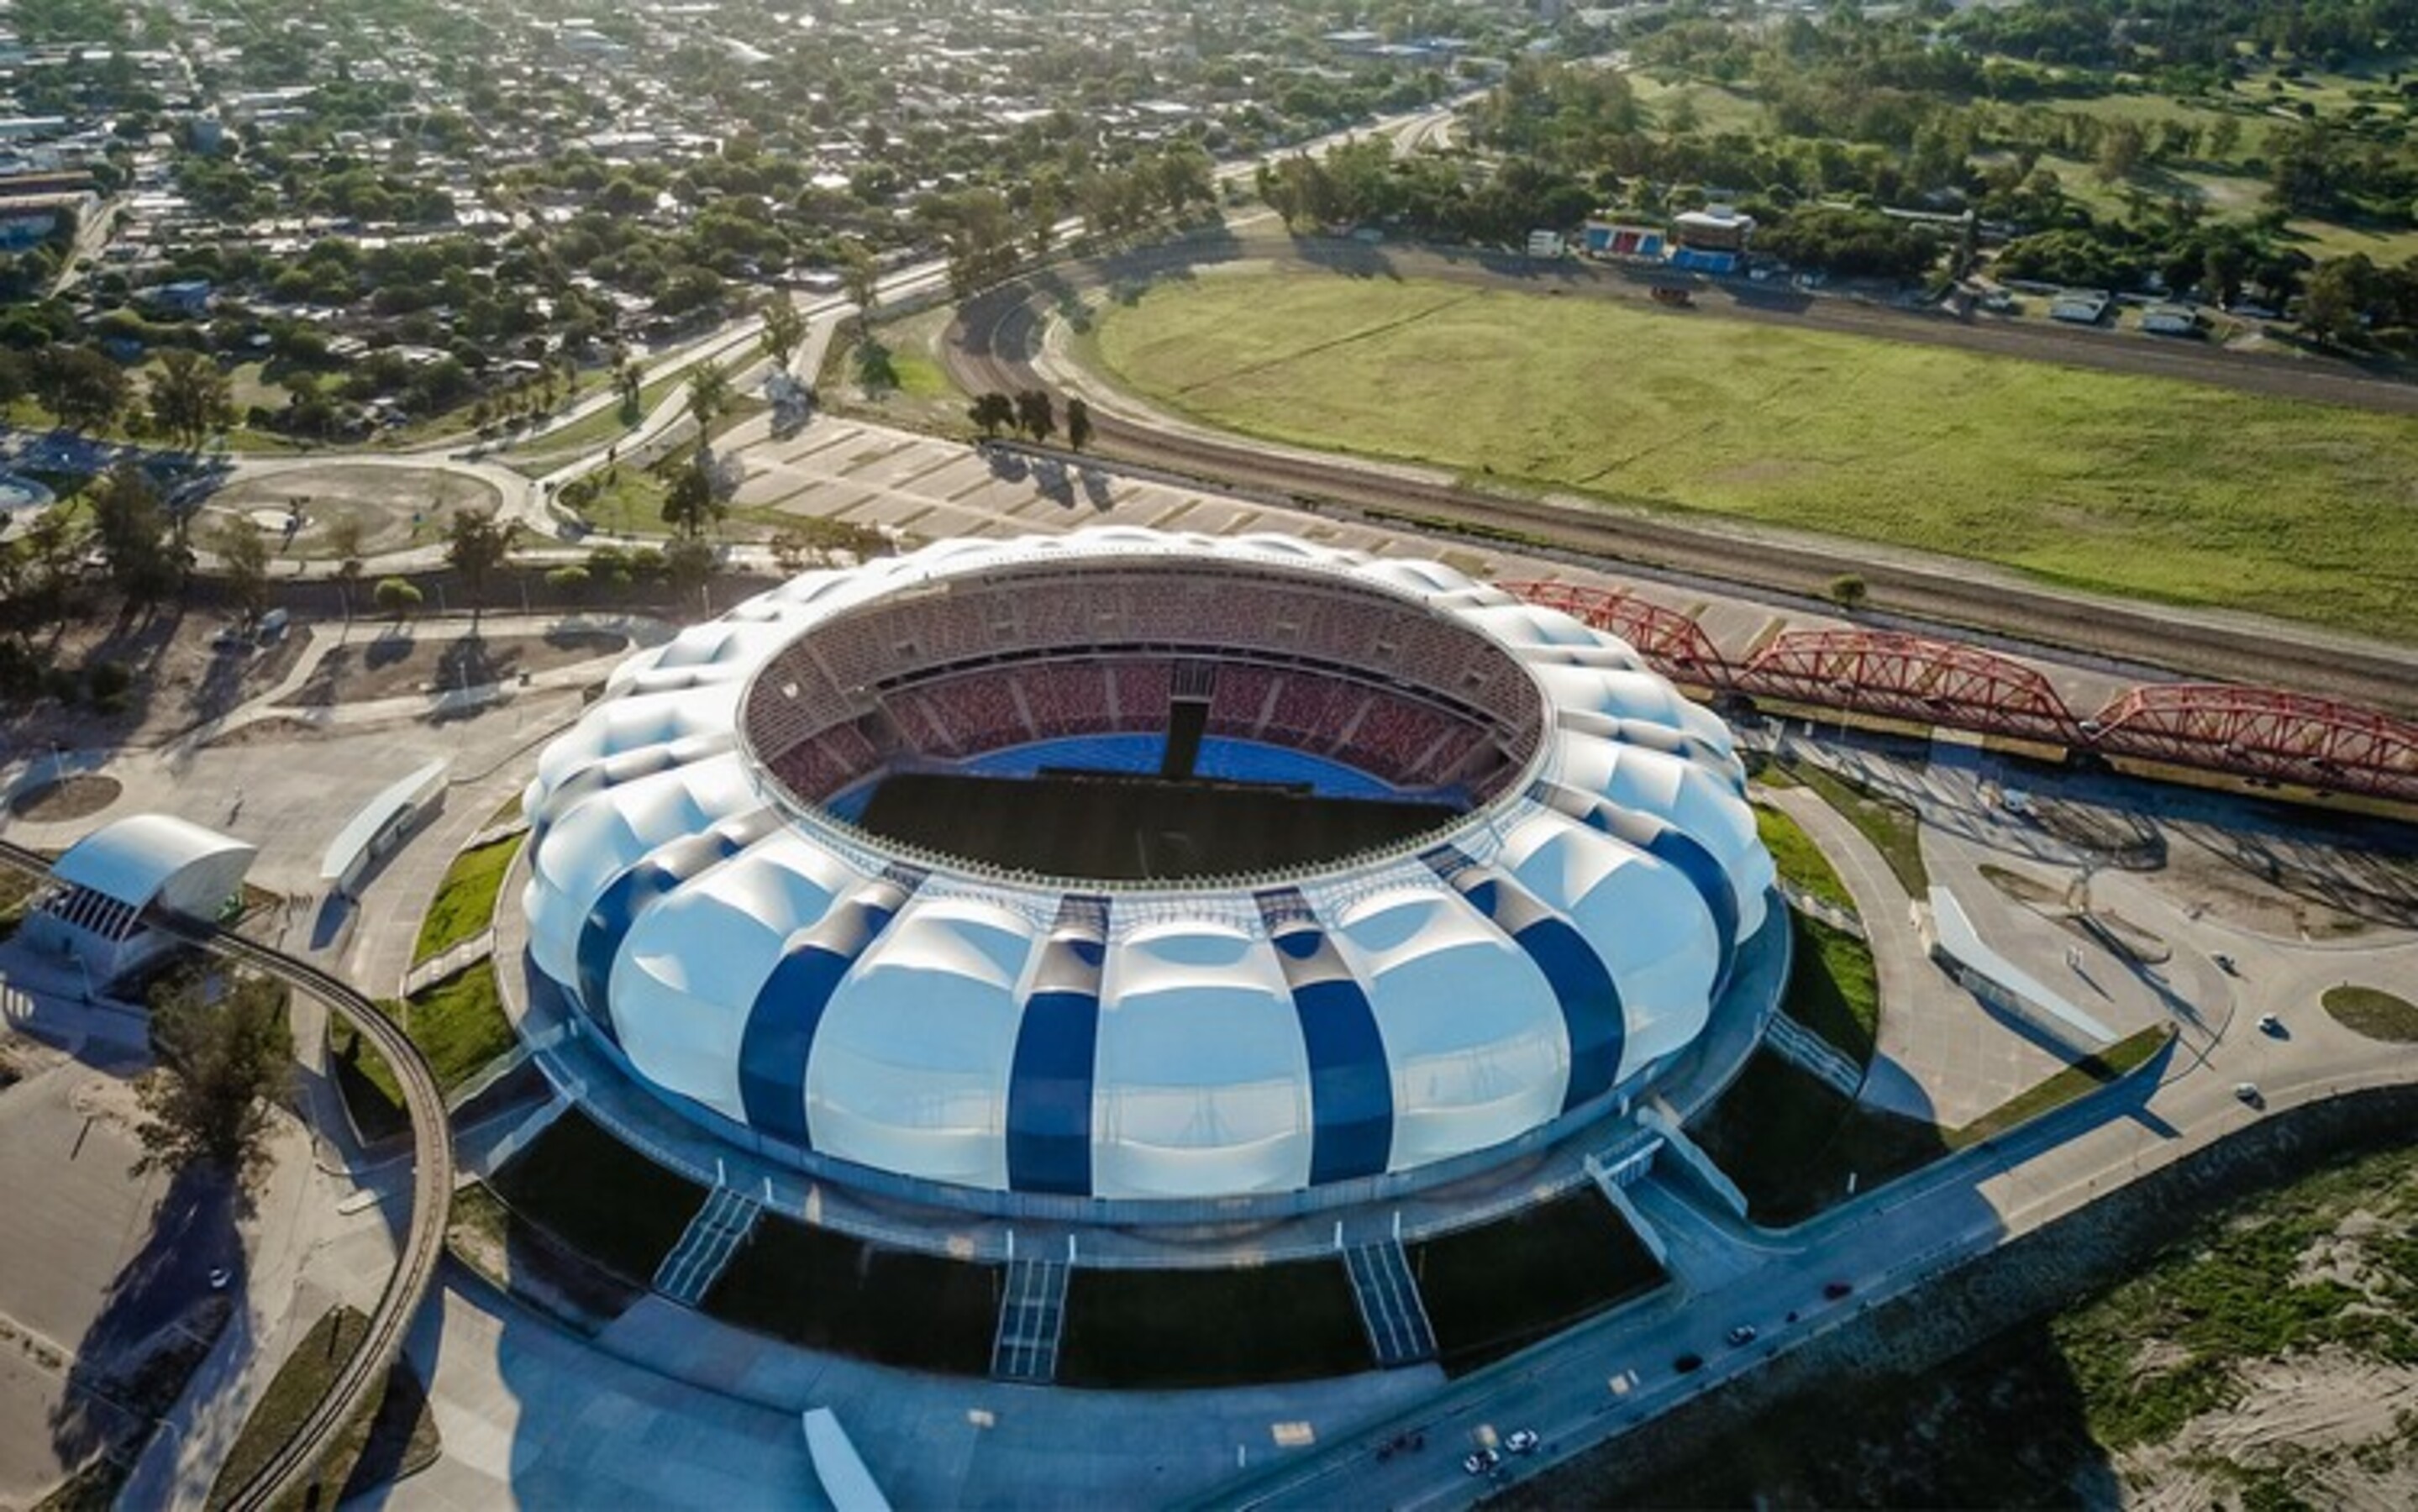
{"x":999,"y":336}
{"x":357,"y":1380}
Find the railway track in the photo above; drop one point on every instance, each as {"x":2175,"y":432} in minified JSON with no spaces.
{"x":432,"y":1190}
{"x":996,"y":337}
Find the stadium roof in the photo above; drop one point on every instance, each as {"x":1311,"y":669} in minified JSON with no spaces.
{"x":815,"y":988}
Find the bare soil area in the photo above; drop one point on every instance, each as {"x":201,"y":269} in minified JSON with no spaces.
{"x":73,"y":798}
{"x":178,"y":680}
{"x":397,"y":507}
{"x":401,"y":665}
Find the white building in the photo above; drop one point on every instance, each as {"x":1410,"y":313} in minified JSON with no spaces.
{"x":114,"y":887}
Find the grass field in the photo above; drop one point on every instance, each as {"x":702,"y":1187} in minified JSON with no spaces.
{"x":2146,"y":487}
{"x":2378,"y":1014}
{"x":603,"y":1199}
{"x":1801,"y":864}
{"x":466,"y":900}
{"x":828,"y":1291}
{"x":458,"y":1024}
{"x":1498,"y":1288}
{"x":1163,"y":1330}
{"x":1890,"y":826}
{"x":1833,"y":990}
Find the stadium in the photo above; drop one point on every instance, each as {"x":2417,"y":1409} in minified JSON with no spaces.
{"x":1109,"y":874}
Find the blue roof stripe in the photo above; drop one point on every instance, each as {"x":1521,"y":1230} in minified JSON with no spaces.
{"x":631,"y":893}
{"x":1591,"y":1008}
{"x":779,"y":1038}
{"x":1050,"y":1095}
{"x":1592,"y":1016}
{"x":1050,"y":1082}
{"x":1351,"y":1083}
{"x":1687,"y":856}
{"x":1351,"y":1086}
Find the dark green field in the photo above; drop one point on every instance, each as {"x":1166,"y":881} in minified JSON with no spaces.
{"x":1210,"y":1328}
{"x":1494,"y":1290}
{"x":1133,"y":829}
{"x":601,"y":1198}
{"x":828,"y":1291}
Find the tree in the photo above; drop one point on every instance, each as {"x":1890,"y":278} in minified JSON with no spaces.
{"x":242,"y":551}
{"x":83,"y":387}
{"x":345,"y":538}
{"x":1078,"y":423}
{"x":784,"y":330}
{"x":131,"y":524}
{"x":2121,"y":147}
{"x":396,"y":596}
{"x":476,"y":543}
{"x":1041,"y":212}
{"x":1848,"y":591}
{"x":2338,"y":298}
{"x":691,"y":503}
{"x":222,"y":1067}
{"x":189,"y":398}
{"x":688,"y":564}
{"x":861,"y":280}
{"x":709,"y":396}
{"x":1035,"y":415}
{"x":992,"y":412}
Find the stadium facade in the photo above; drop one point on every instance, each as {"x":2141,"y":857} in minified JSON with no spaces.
{"x":709,"y":892}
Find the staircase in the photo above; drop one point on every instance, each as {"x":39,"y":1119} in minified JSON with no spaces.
{"x":1031,"y":1318}
{"x":1390,"y":1308}
{"x":713,"y":1237}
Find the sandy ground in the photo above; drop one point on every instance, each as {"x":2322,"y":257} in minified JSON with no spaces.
{"x":394,"y":663}
{"x":179,"y":681}
{"x":397,"y":507}
{"x":2344,"y":1426}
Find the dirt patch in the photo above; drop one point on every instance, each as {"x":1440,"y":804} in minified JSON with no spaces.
{"x":2026,"y":889}
{"x":2332,"y":1429}
{"x":176,"y":680}
{"x":70,"y":798}
{"x":396,"y":507}
{"x":401,"y":665}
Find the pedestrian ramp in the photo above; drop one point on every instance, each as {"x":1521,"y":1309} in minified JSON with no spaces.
{"x":713,"y":1236}
{"x":1390,"y":1308}
{"x":1814,"y":1055}
{"x":1031,"y":1320}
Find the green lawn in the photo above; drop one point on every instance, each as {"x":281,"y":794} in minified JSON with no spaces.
{"x":1832,"y":988}
{"x":600,"y":1199}
{"x":1164,"y":1330}
{"x":2085,"y":1074}
{"x":466,"y":900}
{"x":1801,"y":864}
{"x":458,"y":1024}
{"x":2140,"y":487}
{"x":2378,"y":1014}
{"x":1889,"y":825}
{"x":1500,"y":1287}
{"x":827,"y":1292}
{"x":293,"y":1392}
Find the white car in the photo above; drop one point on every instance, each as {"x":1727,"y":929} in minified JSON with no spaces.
{"x":1480,"y":1461}
{"x":1522,"y":1441}
{"x":2248,"y":1092}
